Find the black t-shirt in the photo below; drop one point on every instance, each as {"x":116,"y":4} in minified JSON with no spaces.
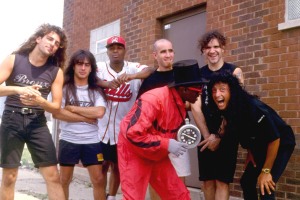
{"x":206,"y":73}
{"x":261,"y":125}
{"x":155,"y":80}
{"x":26,"y":74}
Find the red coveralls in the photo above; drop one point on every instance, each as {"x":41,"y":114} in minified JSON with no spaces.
{"x":143,"y":146}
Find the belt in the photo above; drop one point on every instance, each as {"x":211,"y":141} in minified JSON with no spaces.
{"x":24,"y":111}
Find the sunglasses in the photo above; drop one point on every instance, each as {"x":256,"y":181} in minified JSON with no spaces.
{"x":196,"y":89}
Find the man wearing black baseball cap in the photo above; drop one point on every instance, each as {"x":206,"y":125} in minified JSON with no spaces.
{"x":148,"y":134}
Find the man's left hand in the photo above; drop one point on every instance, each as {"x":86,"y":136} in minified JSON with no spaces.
{"x":212,"y":143}
{"x":123,"y":78}
{"x":265,"y":182}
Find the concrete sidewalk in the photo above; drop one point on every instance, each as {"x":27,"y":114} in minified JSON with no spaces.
{"x":31,"y":186}
{"x":21,"y":196}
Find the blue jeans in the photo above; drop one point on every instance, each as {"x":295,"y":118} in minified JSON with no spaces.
{"x":249,"y":178}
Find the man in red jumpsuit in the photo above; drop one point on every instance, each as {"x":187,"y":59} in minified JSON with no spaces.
{"x":148,"y":135}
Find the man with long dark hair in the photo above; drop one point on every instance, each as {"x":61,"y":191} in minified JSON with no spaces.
{"x":30,"y":74}
{"x":259,"y":129}
{"x":83,"y":104}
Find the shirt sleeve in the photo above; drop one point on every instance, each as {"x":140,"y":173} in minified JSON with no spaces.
{"x":137,"y":67}
{"x":260,"y":128}
{"x":267,"y":126}
{"x":100,"y":101}
{"x":100,"y":69}
{"x":142,"y":137}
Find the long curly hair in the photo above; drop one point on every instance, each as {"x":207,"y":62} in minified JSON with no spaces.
{"x":59,"y":57}
{"x":69,"y":82}
{"x":238,"y":104}
{"x":207,"y":37}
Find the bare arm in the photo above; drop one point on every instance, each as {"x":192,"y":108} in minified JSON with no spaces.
{"x":239,"y":74}
{"x":265,"y":180}
{"x":6,"y":69}
{"x":68,"y":116}
{"x":140,"y":75}
{"x":199,"y":118}
{"x":89,"y":112}
{"x":113,"y":84}
{"x":210,"y":140}
{"x":56,"y":92}
{"x":271,"y":153}
{"x":144,"y":73}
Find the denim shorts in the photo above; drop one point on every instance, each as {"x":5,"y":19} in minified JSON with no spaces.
{"x":70,"y":154}
{"x":18,"y":129}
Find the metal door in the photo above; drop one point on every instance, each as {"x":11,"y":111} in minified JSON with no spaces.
{"x":184,"y":32}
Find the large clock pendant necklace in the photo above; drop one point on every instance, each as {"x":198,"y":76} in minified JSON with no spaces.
{"x":188,"y":133}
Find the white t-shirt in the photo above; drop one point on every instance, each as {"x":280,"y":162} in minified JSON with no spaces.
{"x":119,"y":101}
{"x":81,"y":132}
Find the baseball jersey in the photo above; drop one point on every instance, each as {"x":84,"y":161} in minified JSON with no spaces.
{"x":119,"y":101}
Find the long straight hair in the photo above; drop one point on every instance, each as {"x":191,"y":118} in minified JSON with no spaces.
{"x":69,"y":82}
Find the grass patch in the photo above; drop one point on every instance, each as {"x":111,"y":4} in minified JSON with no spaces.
{"x":26,"y":161}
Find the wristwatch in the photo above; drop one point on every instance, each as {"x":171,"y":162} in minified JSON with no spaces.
{"x":265,"y":170}
{"x":189,"y":134}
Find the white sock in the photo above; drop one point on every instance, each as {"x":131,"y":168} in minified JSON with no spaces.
{"x":111,"y":198}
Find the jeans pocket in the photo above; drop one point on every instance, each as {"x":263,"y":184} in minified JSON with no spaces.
{"x":8,"y":115}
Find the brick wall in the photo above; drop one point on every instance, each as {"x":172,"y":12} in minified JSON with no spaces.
{"x":80,"y":17}
{"x":270,"y":61}
{"x":268,"y":57}
{"x":140,"y":25}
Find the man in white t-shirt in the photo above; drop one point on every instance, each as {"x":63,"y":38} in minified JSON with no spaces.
{"x":120,"y":98}
{"x":83,"y":104}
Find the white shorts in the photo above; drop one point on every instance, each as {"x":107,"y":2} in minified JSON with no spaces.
{"x":181,"y":164}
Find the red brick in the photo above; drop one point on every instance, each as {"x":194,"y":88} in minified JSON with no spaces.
{"x":271,"y":59}
{"x":286,"y":187}
{"x":265,"y":54}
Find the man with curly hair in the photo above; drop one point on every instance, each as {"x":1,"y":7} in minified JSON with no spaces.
{"x":211,"y":153}
{"x":259,"y":129}
{"x":30,"y":74}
